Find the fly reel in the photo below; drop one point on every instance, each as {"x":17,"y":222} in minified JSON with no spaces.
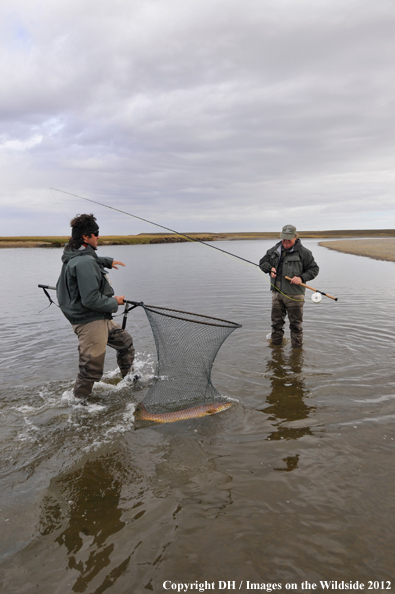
{"x":316,"y":297}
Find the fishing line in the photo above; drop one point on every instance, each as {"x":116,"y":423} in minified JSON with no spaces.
{"x":54,"y":197}
{"x":157,"y":225}
{"x":177,"y":233}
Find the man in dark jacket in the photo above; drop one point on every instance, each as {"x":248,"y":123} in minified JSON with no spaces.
{"x":87,"y":300}
{"x":288,"y":258}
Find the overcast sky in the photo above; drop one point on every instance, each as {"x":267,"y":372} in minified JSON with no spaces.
{"x":201,"y":115}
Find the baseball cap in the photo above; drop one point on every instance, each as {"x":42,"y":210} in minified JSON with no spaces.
{"x":288,"y":232}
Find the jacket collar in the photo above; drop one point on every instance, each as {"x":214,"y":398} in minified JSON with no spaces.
{"x":295,"y":248}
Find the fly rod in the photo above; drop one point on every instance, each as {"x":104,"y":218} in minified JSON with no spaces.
{"x":176,"y":233}
{"x":157,"y":225}
{"x":312,"y":289}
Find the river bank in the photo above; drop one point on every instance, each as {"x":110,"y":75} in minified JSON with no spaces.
{"x":56,"y":242}
{"x":378,"y":248}
{"x":152,"y":238}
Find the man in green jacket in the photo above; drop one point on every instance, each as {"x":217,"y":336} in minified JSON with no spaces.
{"x":87,"y":299}
{"x":288,"y":258}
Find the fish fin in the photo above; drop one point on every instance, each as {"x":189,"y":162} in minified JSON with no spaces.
{"x":139,"y":410}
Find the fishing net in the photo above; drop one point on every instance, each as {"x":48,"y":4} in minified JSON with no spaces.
{"x":186,"y":345}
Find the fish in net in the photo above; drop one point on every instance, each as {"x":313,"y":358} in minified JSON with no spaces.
{"x":186,"y":345}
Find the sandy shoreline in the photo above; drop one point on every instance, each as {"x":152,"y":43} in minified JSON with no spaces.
{"x":379,"y":249}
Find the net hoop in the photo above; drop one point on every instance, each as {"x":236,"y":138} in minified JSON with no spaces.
{"x":195,"y":319}
{"x":186,"y":346}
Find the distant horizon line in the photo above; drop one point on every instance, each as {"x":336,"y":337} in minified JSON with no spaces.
{"x":228,"y":233}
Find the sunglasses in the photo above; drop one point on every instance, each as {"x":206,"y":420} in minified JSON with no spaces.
{"x":96,"y":233}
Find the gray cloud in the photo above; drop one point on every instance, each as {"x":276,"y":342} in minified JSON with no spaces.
{"x":209,"y":115}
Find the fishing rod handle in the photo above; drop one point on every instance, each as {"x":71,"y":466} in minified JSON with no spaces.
{"x":47,"y":287}
{"x":303,"y":285}
{"x":330,"y":296}
{"x":312,"y":289}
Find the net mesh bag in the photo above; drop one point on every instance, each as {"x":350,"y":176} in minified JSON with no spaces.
{"x":186,"y":345}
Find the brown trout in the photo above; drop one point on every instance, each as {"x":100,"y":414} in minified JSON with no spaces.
{"x":142,"y":414}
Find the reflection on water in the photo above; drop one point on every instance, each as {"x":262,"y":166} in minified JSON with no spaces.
{"x":291,"y":463}
{"x":287,"y":397}
{"x":92,"y":495}
{"x":294,"y":483}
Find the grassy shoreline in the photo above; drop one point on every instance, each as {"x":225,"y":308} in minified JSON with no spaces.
{"x":151,"y":238}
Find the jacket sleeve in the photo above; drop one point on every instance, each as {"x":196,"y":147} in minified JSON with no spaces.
{"x":264,"y":263}
{"x":89,"y":278}
{"x":106,"y":262}
{"x":310,"y":267}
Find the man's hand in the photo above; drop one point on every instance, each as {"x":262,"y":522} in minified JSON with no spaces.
{"x":273,"y":273}
{"x":120,"y":300}
{"x":117,"y":263}
{"x":296,"y":280}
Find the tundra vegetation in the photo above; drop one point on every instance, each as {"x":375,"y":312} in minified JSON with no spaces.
{"x":147,"y":238}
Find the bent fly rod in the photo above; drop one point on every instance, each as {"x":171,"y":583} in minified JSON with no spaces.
{"x":177,"y":233}
{"x":157,"y":225}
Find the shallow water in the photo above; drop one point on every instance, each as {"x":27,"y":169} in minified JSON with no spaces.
{"x":294,"y":483}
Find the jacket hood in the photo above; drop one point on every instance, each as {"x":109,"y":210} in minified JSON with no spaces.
{"x":69,"y":254}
